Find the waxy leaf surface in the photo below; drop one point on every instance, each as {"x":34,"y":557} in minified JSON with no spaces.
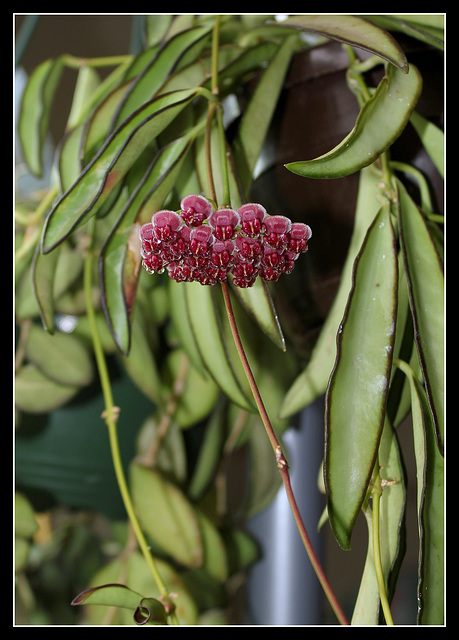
{"x":36,"y":111}
{"x":206,"y":324}
{"x":430,"y":506}
{"x":355,"y":31}
{"x":120,"y":256}
{"x":379,"y":123}
{"x":312,"y":381}
{"x":105,"y":172}
{"x":357,"y":391}
{"x":425,"y":276}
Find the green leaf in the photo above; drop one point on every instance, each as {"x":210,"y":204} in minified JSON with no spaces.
{"x":379,"y":123}
{"x":105,"y":172}
{"x":140,"y":362}
{"x":205,"y":323}
{"x":62,"y":356}
{"x":87,"y":82}
{"x":120,"y":256}
{"x":259,"y":304}
{"x":35,"y":111}
{"x":182,"y":324}
{"x":166,"y":516}
{"x":430,"y":505}
{"x":357,"y":391}
{"x":312,"y":381}
{"x":428,"y":28}
{"x":109,"y":595}
{"x":432,"y":138}
{"x":209,"y":455}
{"x":25,"y":522}
{"x":259,"y":112}
{"x":150,"y":611}
{"x":188,"y":411}
{"x":148,"y":83}
{"x":52,"y":275}
{"x":215,"y":561}
{"x":355,"y":31}
{"x":69,"y":157}
{"x":424,"y":270}
{"x":37,"y":393}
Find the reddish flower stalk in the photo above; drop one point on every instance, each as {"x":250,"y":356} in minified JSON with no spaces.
{"x":282,"y":464}
{"x":207,"y":244}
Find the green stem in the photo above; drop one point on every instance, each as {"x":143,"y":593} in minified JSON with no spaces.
{"x":281,"y":462}
{"x":376,"y":499}
{"x":111,"y":415}
{"x":75,"y":62}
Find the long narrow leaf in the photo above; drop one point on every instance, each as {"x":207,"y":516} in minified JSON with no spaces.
{"x":206,"y":326}
{"x":110,"y":165}
{"x":430,"y":505}
{"x":258,"y":114}
{"x":357,"y":391}
{"x":153,"y":76}
{"x":425,"y":277}
{"x":312,"y":381}
{"x":120,"y":258}
{"x":35,"y":111}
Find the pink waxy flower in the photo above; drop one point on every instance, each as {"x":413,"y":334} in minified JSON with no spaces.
{"x":252,"y":216}
{"x":224,"y":223}
{"x":148,"y":239}
{"x":277,"y":228}
{"x":222,"y":252}
{"x":298,"y":237}
{"x":249,"y":248}
{"x":201,"y":239}
{"x":166,"y":225}
{"x":195,"y":209}
{"x":206,"y":245}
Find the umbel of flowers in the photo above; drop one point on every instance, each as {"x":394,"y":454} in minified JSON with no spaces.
{"x":206,"y":244}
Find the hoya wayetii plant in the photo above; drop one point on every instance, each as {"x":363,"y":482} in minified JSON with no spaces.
{"x":156,"y":244}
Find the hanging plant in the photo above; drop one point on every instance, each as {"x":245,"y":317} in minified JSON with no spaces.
{"x":150,"y":238}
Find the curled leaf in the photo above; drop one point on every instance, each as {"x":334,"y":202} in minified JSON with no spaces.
{"x":109,"y":595}
{"x":353,"y":30}
{"x":379,"y":123}
{"x":150,"y":611}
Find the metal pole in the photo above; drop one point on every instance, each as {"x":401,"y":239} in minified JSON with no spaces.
{"x":282,"y":588}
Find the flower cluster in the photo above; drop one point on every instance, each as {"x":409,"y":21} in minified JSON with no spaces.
{"x":204,"y":244}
